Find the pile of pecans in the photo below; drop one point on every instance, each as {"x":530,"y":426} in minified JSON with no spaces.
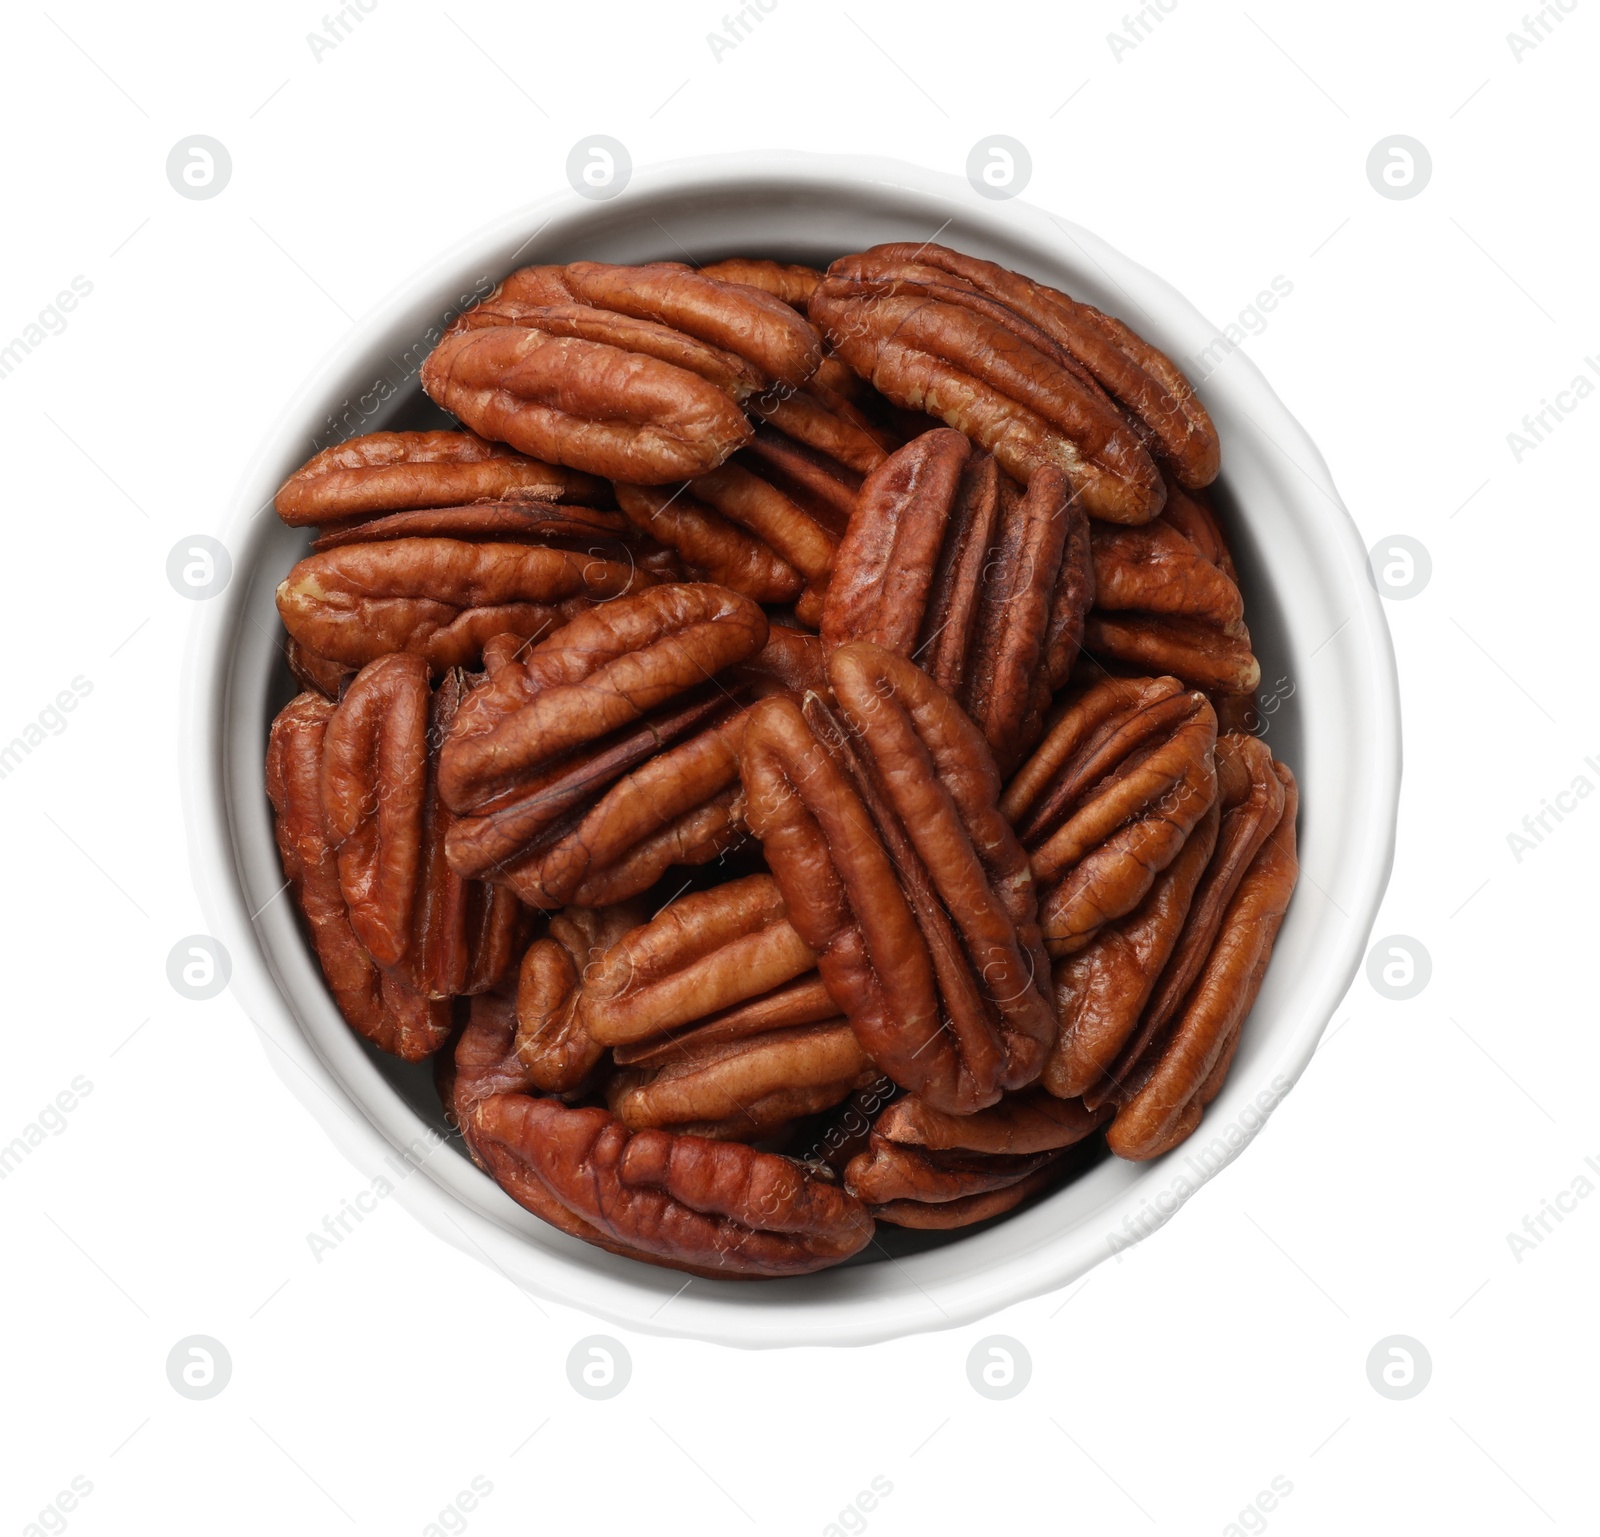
{"x":784,"y":757}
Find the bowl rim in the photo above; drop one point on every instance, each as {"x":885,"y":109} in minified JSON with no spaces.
{"x":539,"y":1259}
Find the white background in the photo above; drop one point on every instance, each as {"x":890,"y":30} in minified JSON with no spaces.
{"x":1225,"y":149}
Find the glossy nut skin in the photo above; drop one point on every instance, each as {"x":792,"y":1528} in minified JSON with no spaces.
{"x":735,"y":317}
{"x":383,"y":472}
{"x":439,"y":598}
{"x":1167,"y":601}
{"x":1108,"y":798}
{"x":717,"y":1209}
{"x":788,"y":281}
{"x":585,"y":766}
{"x":555,"y":1049}
{"x":930,"y":343}
{"x":379,"y":1005}
{"x":1166,"y":1092}
{"x":1143,"y":381}
{"x":1250,"y":808}
{"x":897,"y":869}
{"x":382,"y":816}
{"x":948,"y":563}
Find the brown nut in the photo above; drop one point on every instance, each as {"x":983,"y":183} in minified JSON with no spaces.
{"x":378,"y":1004}
{"x":1164,"y":1094}
{"x":383,"y":472}
{"x":588,"y":764}
{"x":589,"y":530}
{"x":735,"y":317}
{"x":1165,"y":603}
{"x":1108,"y":798}
{"x":439,"y":598}
{"x":714,"y":1011}
{"x":1143,"y":381}
{"x":783,"y":280}
{"x":596,"y":407}
{"x":556,"y":1052}
{"x":897,"y":869}
{"x":382,"y":816}
{"x":718,"y":1209}
{"x":930,"y":343}
{"x":948,"y":563}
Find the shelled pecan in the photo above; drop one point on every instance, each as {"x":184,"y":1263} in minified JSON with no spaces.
{"x":930,"y":341}
{"x":1165,"y":603}
{"x":1144,"y":382}
{"x":1163,"y":1093}
{"x":589,"y":762}
{"x":361,"y":831}
{"x":439,"y":598}
{"x":898,"y":870}
{"x":384,"y":472}
{"x":1108,"y":798}
{"x":948,"y":562}
{"x":928,"y":1169}
{"x":717,"y":1019}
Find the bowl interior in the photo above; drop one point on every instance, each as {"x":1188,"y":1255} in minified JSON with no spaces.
{"x":1314,"y":621}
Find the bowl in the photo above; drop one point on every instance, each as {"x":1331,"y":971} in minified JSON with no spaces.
{"x":1314,"y":615}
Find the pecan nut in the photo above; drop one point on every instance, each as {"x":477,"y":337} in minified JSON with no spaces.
{"x":381,"y":472}
{"x":439,"y":598}
{"x":1144,"y":382}
{"x":1108,"y":798}
{"x":1163,"y":1096}
{"x":929,"y":341}
{"x":928,"y":1169}
{"x":586,"y":765}
{"x":717,"y":1019}
{"x":444,"y":937}
{"x":947,"y":562}
{"x":718,"y":1209}
{"x":898,"y":870}
{"x":556,"y":1052}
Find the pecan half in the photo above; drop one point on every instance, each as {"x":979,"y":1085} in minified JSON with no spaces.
{"x":377,"y":1004}
{"x":1164,"y":1094}
{"x":928,"y":1169}
{"x":382,"y":472}
{"x":1163,"y":604}
{"x":930,"y":342}
{"x":588,"y":404}
{"x":382,"y":816}
{"x":589,"y":530}
{"x":1107,"y":800}
{"x":783,"y":280}
{"x":946,"y":561}
{"x":897,"y":869}
{"x":736,"y":317}
{"x":1143,"y":381}
{"x":439,"y":598}
{"x":586,"y":765}
{"x":718,"y":1209}
{"x":718,"y":1020}
{"x":554,"y":1047}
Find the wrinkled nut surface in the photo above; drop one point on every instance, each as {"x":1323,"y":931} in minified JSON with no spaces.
{"x":439,"y":598}
{"x":929,"y":342}
{"x":783,"y":280}
{"x":1167,"y":604}
{"x":1165,"y":1093}
{"x":718,"y":1209}
{"x":383,"y":472}
{"x":898,"y":870}
{"x":1143,"y":381}
{"x":1108,"y":798}
{"x":948,"y":563}
{"x":587,"y":764}
{"x":738,"y":318}
{"x":377,"y":1004}
{"x":717,"y":1016}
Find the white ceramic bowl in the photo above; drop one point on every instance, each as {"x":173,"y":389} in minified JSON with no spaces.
{"x":1313,"y":613}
